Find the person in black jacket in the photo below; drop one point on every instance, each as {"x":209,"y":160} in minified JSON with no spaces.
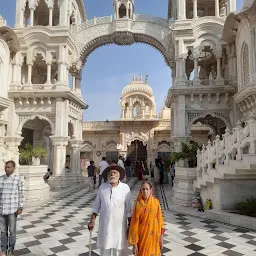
{"x":92,"y":175}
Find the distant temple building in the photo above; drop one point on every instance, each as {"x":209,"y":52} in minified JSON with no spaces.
{"x":139,"y":134}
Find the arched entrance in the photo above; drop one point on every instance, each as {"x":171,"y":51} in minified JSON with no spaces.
{"x":137,"y":152}
{"x":101,"y":31}
{"x":206,"y":127}
{"x":37,"y":132}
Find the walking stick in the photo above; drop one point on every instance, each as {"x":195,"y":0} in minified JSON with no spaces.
{"x":90,"y":244}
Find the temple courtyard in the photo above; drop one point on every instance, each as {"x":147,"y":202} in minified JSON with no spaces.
{"x":59,"y":227}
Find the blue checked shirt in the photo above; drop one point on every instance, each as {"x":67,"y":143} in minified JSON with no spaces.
{"x":11,"y":194}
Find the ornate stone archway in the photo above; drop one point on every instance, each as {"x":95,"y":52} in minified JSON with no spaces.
{"x":24,"y":119}
{"x":104,"y":30}
{"x":200,"y":116}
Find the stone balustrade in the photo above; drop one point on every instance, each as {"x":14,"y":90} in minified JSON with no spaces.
{"x":109,"y":19}
{"x":233,"y":146}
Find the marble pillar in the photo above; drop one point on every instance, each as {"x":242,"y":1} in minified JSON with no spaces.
{"x":58,"y":179}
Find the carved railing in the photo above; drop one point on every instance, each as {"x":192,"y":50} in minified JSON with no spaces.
{"x":156,"y":20}
{"x":98,"y":125}
{"x":207,"y":82}
{"x":93,"y":22}
{"x":108,"y":19}
{"x":230,"y":147}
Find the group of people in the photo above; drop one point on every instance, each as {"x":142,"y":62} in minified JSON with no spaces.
{"x":160,"y":170}
{"x":120,"y":225}
{"x":93,"y":171}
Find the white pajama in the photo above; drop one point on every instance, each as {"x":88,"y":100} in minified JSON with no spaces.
{"x":113,"y":252}
{"x":115,"y":207}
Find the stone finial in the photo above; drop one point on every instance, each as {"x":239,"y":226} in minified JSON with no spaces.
{"x":134,"y":78}
{"x":146,"y":80}
{"x":238,"y":123}
{"x":2,"y":21}
{"x":141,"y":78}
{"x":226,"y":130}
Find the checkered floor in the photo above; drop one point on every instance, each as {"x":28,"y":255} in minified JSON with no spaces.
{"x":59,"y":228}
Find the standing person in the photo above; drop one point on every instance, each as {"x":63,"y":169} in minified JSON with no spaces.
{"x":139,"y":170}
{"x":67,"y":170}
{"x":161,"y":171}
{"x":156,"y":171}
{"x":166,"y":176}
{"x":102,"y":166}
{"x":147,"y":225}
{"x":92,"y":171}
{"x":172,"y":172}
{"x":113,"y":202}
{"x":11,"y":201}
{"x":128,"y":166}
{"x":121,"y":162}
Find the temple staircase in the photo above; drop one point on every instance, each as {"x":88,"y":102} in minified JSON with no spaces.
{"x":232,"y":158}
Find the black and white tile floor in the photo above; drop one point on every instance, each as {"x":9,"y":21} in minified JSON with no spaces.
{"x":60,"y":228}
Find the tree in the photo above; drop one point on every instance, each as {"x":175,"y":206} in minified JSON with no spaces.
{"x":188,"y":152}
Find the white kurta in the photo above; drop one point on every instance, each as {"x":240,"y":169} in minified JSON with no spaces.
{"x":115,"y":206}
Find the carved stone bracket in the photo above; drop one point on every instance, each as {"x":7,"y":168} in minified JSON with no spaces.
{"x":130,"y":137}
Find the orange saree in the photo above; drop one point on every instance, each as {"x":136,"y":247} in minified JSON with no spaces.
{"x":146,"y":226}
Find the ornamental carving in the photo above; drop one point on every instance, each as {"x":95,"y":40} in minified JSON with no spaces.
{"x":109,"y":143}
{"x":130,"y":137}
{"x":123,"y":38}
{"x":87,"y":142}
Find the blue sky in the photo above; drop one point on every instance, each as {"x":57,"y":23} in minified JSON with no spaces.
{"x":110,"y":68}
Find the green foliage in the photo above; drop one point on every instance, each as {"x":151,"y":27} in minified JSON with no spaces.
{"x":187,"y":152}
{"x":28,"y":152}
{"x":247,"y":207}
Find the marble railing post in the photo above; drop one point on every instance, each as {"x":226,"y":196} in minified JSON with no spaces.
{"x":194,"y":9}
{"x":217,"y":146}
{"x":73,"y":82}
{"x":50,"y":16}
{"x":14,"y":72}
{"x":29,"y":73}
{"x":217,"y":8}
{"x":208,"y":147}
{"x":251,"y":124}
{"x":218,"y":69}
{"x":32,"y":11}
{"x":49,"y":71}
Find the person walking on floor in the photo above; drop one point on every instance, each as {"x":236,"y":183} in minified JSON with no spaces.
{"x":147,"y":225}
{"x":172,"y":172}
{"x":161,"y":170}
{"x":102,"y":166}
{"x":128,"y":167}
{"x":113,"y":202}
{"x":121,"y":162}
{"x":156,"y":171}
{"x":12,"y":202}
{"x":92,"y":171}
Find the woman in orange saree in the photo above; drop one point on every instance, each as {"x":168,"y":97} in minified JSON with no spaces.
{"x":147,"y":225}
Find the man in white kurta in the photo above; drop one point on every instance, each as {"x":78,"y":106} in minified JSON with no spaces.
{"x":114,"y":204}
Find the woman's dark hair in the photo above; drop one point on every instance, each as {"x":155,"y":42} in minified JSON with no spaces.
{"x":91,"y":162}
{"x":146,"y":182}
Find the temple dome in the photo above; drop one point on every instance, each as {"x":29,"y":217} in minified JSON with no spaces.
{"x":138,"y":86}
